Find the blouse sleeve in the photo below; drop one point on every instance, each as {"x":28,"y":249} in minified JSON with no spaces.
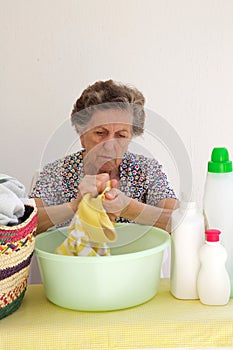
{"x":158,"y":186}
{"x":49,"y":185}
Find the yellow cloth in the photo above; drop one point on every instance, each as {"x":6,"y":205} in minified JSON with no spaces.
{"x":163,"y":322}
{"x":89,"y":230}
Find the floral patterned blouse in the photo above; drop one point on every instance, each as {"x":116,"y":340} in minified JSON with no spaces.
{"x":140,"y":177}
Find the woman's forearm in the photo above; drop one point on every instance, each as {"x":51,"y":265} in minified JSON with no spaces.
{"x":150,"y":215}
{"x":118,"y":204}
{"x":49,"y":216}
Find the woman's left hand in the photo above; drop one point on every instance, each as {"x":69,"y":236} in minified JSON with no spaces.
{"x":115,"y":203}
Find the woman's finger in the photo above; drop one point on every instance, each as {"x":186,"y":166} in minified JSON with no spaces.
{"x":113,"y":183}
{"x":112,"y":194}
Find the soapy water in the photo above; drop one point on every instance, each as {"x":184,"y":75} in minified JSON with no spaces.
{"x":159,"y":140}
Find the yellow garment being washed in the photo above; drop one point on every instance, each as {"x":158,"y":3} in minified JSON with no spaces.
{"x":90,"y":229}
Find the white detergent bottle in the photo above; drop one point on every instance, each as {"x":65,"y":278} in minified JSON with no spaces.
{"x":213,"y":282}
{"x":187,"y":237}
{"x":218,"y":202}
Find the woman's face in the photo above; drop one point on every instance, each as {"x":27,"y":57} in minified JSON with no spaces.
{"x":106,"y":139}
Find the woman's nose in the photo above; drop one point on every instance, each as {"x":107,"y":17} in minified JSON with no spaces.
{"x":109,"y":144}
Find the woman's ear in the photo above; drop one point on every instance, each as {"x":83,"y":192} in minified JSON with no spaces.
{"x":82,"y":141}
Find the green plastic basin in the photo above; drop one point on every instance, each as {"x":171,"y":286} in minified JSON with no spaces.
{"x":129,"y":277}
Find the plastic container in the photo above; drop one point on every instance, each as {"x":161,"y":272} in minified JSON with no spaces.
{"x":187,"y":237}
{"x":218,"y":202}
{"x":130,"y":276}
{"x":213,"y":282}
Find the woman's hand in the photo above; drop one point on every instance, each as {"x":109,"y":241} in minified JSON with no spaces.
{"x":93,"y":184}
{"x":115,"y":203}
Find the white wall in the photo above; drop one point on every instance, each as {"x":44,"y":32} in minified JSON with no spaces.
{"x":179,"y":53}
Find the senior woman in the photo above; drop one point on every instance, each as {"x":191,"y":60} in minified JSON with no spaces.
{"x":107,"y":116}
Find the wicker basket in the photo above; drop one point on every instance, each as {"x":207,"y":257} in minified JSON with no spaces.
{"x":16,"y":249}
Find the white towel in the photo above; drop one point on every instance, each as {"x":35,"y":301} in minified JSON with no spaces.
{"x":14,"y":185}
{"x":12,"y":198}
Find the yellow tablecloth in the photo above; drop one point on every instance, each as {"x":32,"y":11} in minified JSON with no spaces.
{"x":162,"y":322}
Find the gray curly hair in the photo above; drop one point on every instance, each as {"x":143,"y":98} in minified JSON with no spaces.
{"x":109,"y":94}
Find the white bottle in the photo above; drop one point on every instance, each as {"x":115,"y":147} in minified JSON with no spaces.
{"x":218,"y":201}
{"x":213,"y":282}
{"x":187,"y":237}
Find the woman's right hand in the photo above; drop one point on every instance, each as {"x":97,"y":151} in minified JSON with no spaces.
{"x":93,"y":184}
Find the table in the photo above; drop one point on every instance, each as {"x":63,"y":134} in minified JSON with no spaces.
{"x":163,"y":322}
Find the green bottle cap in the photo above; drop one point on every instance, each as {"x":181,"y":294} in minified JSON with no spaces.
{"x":220,"y":162}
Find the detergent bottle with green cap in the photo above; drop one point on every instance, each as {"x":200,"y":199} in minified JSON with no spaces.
{"x":213,"y":283}
{"x":218,"y":202}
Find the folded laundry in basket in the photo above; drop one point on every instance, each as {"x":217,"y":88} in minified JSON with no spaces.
{"x":14,"y":185}
{"x":90,"y":230}
{"x":12,"y":199}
